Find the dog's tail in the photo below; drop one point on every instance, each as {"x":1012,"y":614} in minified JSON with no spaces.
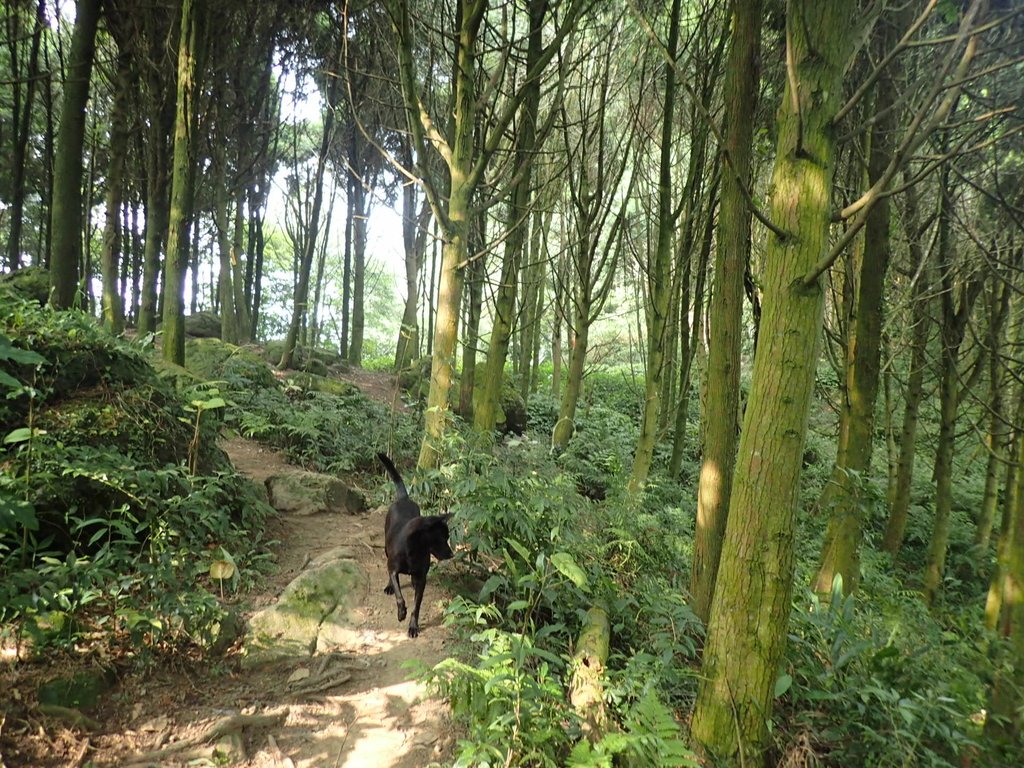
{"x":396,"y":478}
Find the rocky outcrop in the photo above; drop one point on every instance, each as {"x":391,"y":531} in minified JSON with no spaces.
{"x":312,"y":615}
{"x":298,"y":492}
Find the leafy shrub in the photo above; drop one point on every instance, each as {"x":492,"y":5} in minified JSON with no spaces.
{"x":112,"y":494}
{"x":874,"y":692}
{"x":543,"y":555}
{"x":600,"y":451}
{"x":325,"y":432}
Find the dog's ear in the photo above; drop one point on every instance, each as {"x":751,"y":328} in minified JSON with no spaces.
{"x":446,"y":516}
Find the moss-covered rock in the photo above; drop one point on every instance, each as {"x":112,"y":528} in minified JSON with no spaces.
{"x":312,"y":381}
{"x":303,"y":357}
{"x":312,"y":612}
{"x":241,"y":368}
{"x":308,"y":493}
{"x":32,"y":283}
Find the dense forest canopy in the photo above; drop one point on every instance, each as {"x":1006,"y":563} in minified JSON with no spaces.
{"x":791,"y":232}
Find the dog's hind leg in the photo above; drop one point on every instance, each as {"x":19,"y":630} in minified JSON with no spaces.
{"x":394,"y":588}
{"x":419,"y":583}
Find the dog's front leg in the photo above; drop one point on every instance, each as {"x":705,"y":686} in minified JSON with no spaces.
{"x":419,"y":583}
{"x":396,"y":588}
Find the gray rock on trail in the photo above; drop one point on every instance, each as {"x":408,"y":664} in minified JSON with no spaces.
{"x":311,"y":615}
{"x":299,"y":492}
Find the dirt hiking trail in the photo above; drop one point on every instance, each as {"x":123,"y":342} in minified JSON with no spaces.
{"x":365,"y":710}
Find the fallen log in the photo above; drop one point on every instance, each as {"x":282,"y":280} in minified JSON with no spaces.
{"x":586,"y":689}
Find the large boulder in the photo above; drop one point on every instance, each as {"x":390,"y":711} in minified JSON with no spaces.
{"x":30,"y":282}
{"x":299,"y":492}
{"x":241,"y":368}
{"x":312,"y":614}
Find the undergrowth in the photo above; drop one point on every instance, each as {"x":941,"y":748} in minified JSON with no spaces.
{"x":114,"y":498}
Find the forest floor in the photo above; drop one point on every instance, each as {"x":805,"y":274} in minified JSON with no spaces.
{"x":377,"y":716}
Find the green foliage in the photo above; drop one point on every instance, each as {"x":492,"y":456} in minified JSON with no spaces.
{"x":510,"y":700}
{"x":105,"y":533}
{"x":542,"y":554}
{"x":880,"y":690}
{"x":329,"y":433}
{"x":600,"y":452}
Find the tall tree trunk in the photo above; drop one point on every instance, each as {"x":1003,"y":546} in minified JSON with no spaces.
{"x":413,"y":242}
{"x":476,"y":272}
{"x":573,"y":382}
{"x":487,"y":403}
{"x":305,"y":266}
{"x":66,"y":211}
{"x":755,"y":576}
{"x":659,"y":276}
{"x":995,"y":439}
{"x":361,"y":199}
{"x":456,"y":234}
{"x":181,"y":188}
{"x":113,"y":308}
{"x":899,"y":506}
{"x":225,"y":281}
{"x":158,"y":210}
{"x":841,"y":549}
{"x":22,"y":121}
{"x":725,"y":321}
{"x":1014,"y":485}
{"x":238,"y":269}
{"x":1005,"y":721}
{"x":955,"y":313}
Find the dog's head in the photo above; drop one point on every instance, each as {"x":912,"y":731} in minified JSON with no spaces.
{"x":435,"y":533}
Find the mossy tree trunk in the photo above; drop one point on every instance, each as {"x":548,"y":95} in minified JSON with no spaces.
{"x":995,"y":437}
{"x":182,"y":180}
{"x":755,"y":576}
{"x":221,"y":214}
{"x":841,"y":548}
{"x":110,"y":259}
{"x":466,"y":156}
{"x":659,"y":274}
{"x":1014,"y":485}
{"x":66,"y":208}
{"x":160,"y":127}
{"x":725,"y":322}
{"x":1005,"y":720}
{"x":957,"y":301}
{"x":899,"y":504}
{"x":476,"y":272}
{"x":517,"y":224}
{"x":414,"y":230}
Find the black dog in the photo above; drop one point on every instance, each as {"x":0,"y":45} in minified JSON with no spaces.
{"x":409,"y":541}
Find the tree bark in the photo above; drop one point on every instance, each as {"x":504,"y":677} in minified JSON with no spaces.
{"x":113,"y":306}
{"x":66,"y":210}
{"x":659,"y":276}
{"x":899,"y":507}
{"x":22,"y":121}
{"x":181,"y":184}
{"x":841,"y":548}
{"x":725,"y":321}
{"x":755,"y":578}
{"x":489,"y":399}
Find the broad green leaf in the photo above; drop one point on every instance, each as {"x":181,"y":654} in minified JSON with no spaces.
{"x":22,"y":434}
{"x":566,"y":565}
{"x":782,"y":684}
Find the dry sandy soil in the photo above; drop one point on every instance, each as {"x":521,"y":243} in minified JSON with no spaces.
{"x":380,"y":717}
